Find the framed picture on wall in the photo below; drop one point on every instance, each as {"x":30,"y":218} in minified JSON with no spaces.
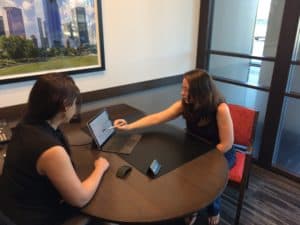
{"x":46,"y":36}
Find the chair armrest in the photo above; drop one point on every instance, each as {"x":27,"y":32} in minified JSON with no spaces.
{"x":243,"y":149}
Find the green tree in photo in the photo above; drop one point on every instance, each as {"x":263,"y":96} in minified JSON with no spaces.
{"x":17,"y":48}
{"x":12,"y":47}
{"x":30,"y":51}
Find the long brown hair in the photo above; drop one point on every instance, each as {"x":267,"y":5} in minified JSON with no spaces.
{"x":203,"y":95}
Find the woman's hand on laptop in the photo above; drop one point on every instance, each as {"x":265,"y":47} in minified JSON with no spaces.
{"x":121,"y":124}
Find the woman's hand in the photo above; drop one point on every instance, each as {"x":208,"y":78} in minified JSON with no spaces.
{"x":101,"y":163}
{"x":121,"y":124}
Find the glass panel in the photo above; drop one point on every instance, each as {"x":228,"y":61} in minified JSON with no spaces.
{"x":247,"y":27}
{"x":296,"y":53}
{"x":250,"y":98}
{"x":287,"y":154}
{"x":241,"y":69}
{"x":294,"y":80}
{"x":294,"y":76}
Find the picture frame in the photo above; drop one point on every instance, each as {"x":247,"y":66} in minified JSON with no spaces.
{"x":49,"y":36}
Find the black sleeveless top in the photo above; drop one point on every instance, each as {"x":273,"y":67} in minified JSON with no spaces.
{"x":27,"y":197}
{"x":203,"y":124}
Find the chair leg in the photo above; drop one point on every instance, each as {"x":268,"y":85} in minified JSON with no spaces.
{"x":248,"y":177}
{"x":239,"y":206}
{"x":247,"y":184}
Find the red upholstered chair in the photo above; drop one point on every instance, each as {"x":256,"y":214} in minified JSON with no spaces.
{"x":244,"y":124}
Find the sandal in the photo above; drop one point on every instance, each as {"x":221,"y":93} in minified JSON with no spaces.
{"x":214,"y":220}
{"x":191,"y":219}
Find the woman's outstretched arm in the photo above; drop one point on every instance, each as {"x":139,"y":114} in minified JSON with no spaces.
{"x":168,"y":114}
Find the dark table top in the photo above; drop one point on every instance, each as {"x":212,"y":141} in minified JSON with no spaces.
{"x":139,"y":198}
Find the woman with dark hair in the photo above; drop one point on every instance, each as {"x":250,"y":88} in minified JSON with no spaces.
{"x":39,"y":185}
{"x":206,"y":114}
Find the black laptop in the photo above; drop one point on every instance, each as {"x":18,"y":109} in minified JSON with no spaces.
{"x":107,"y":138}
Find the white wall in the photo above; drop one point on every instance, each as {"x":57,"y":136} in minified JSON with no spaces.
{"x":143,"y":40}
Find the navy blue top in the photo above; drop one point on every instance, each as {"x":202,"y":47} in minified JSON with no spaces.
{"x":26,"y":196}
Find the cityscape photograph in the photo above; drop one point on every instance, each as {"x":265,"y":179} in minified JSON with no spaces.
{"x":42,"y":36}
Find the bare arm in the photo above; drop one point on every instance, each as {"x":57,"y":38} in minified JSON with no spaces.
{"x":168,"y":114}
{"x":56,"y":164}
{"x":225,"y":128}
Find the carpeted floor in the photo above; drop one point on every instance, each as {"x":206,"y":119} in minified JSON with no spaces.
{"x":270,"y":200}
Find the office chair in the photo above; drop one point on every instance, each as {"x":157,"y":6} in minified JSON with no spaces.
{"x":244,"y":124}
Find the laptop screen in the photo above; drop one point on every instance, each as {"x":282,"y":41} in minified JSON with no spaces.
{"x":101,"y":128}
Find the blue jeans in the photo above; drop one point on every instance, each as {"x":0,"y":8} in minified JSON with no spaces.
{"x":214,"y":208}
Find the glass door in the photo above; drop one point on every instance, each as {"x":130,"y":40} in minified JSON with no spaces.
{"x":287,"y":150}
{"x":252,"y":49}
{"x":243,"y":46}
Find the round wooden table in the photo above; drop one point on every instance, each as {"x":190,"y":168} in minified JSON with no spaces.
{"x":141,"y":199}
